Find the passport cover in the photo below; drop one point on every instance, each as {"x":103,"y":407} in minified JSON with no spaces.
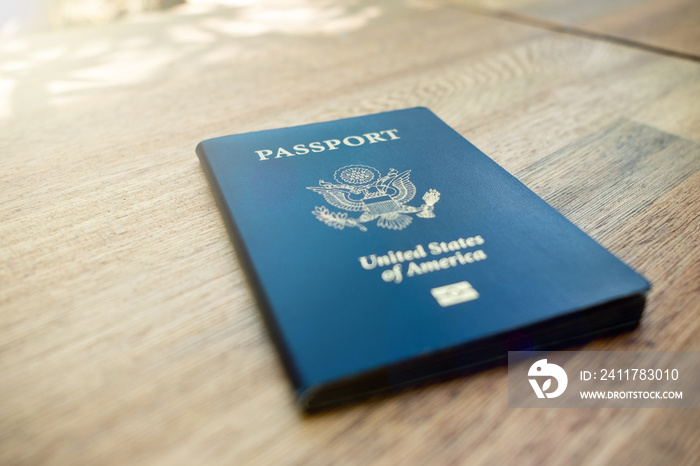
{"x":386,"y":249}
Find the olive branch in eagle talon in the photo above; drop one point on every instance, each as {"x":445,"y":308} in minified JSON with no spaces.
{"x":361,"y":188}
{"x":337,"y":220}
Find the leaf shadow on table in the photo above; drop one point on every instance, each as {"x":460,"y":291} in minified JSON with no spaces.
{"x":45,"y":71}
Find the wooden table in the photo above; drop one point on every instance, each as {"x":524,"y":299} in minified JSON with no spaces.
{"x":668,"y":27}
{"x":128,"y":334}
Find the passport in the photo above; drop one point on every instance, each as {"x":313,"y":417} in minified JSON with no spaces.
{"x":387,"y":250}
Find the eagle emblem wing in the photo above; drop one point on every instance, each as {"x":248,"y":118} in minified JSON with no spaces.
{"x":338,"y":197}
{"x":405,"y":189}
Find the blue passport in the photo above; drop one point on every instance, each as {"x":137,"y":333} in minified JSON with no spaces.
{"x":386,"y":250}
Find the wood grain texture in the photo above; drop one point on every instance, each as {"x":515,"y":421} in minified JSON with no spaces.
{"x":128,"y":334}
{"x":670,"y":25}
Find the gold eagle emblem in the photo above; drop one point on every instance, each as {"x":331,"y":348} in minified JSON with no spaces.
{"x":361,"y":188}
